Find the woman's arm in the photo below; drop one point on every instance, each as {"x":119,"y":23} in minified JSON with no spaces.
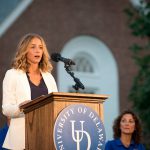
{"x":10,"y":106}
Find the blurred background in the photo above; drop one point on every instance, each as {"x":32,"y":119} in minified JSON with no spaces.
{"x":94,"y":33}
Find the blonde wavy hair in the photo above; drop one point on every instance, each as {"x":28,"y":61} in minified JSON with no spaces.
{"x":20,"y":59}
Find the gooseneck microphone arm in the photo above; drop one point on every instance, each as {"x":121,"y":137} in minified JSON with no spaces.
{"x":67,"y":64}
{"x":78,"y":83}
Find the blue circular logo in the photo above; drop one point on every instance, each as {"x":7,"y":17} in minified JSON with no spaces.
{"x":79,"y":127}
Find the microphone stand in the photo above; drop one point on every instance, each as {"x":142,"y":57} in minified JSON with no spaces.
{"x":78,"y":83}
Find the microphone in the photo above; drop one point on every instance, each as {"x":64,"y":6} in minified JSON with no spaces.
{"x":57,"y":57}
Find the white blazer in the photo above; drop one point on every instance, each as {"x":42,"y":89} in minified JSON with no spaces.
{"x":16,"y":89}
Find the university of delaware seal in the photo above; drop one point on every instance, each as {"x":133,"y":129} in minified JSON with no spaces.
{"x":79,"y":127}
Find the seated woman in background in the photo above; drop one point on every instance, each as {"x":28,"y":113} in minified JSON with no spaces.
{"x":127,"y":133}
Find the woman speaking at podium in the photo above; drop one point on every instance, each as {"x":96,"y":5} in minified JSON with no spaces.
{"x":29,"y":78}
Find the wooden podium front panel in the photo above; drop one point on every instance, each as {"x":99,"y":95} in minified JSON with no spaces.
{"x":41,"y":114}
{"x":92,"y":102}
{"x":39,"y":128}
{"x":61,"y":105}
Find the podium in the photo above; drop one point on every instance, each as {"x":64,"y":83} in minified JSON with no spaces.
{"x":41,"y":113}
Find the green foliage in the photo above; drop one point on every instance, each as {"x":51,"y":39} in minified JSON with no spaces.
{"x":139,"y":23}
